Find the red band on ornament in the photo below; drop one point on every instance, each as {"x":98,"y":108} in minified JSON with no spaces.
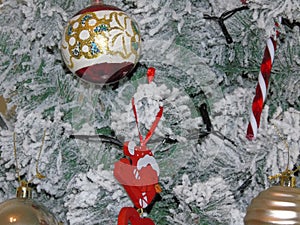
{"x":97,"y":7}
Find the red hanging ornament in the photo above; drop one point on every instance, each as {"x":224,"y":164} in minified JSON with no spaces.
{"x":138,"y":173}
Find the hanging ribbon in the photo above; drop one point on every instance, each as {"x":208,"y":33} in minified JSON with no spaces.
{"x":143,"y":142}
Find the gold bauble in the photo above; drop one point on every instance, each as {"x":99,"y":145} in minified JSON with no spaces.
{"x":25,"y":211}
{"x":276,"y":205}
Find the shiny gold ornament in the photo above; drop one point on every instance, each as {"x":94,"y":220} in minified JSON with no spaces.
{"x":25,"y":211}
{"x":22,"y":210}
{"x":276,"y":205}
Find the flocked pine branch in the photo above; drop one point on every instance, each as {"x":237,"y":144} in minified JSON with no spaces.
{"x":206,"y":179}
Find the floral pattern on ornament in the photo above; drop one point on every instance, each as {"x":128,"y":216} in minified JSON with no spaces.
{"x":89,"y":36}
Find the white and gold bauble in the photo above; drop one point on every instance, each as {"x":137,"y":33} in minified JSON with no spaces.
{"x":276,"y":205}
{"x":23,"y":210}
{"x":101,"y":44}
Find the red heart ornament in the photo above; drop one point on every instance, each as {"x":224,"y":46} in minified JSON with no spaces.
{"x":129,"y":214}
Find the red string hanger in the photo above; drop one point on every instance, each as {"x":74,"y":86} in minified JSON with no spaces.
{"x":143,"y":142}
{"x":138,"y":173}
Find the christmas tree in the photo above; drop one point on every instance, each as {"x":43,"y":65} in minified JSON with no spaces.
{"x":206,"y":75}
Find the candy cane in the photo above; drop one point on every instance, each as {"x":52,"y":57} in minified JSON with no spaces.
{"x":262,"y":86}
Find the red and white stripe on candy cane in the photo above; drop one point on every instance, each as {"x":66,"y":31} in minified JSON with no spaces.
{"x":262,"y":86}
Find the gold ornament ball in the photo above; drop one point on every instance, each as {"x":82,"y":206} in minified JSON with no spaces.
{"x":276,"y":205}
{"x":22,"y":211}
